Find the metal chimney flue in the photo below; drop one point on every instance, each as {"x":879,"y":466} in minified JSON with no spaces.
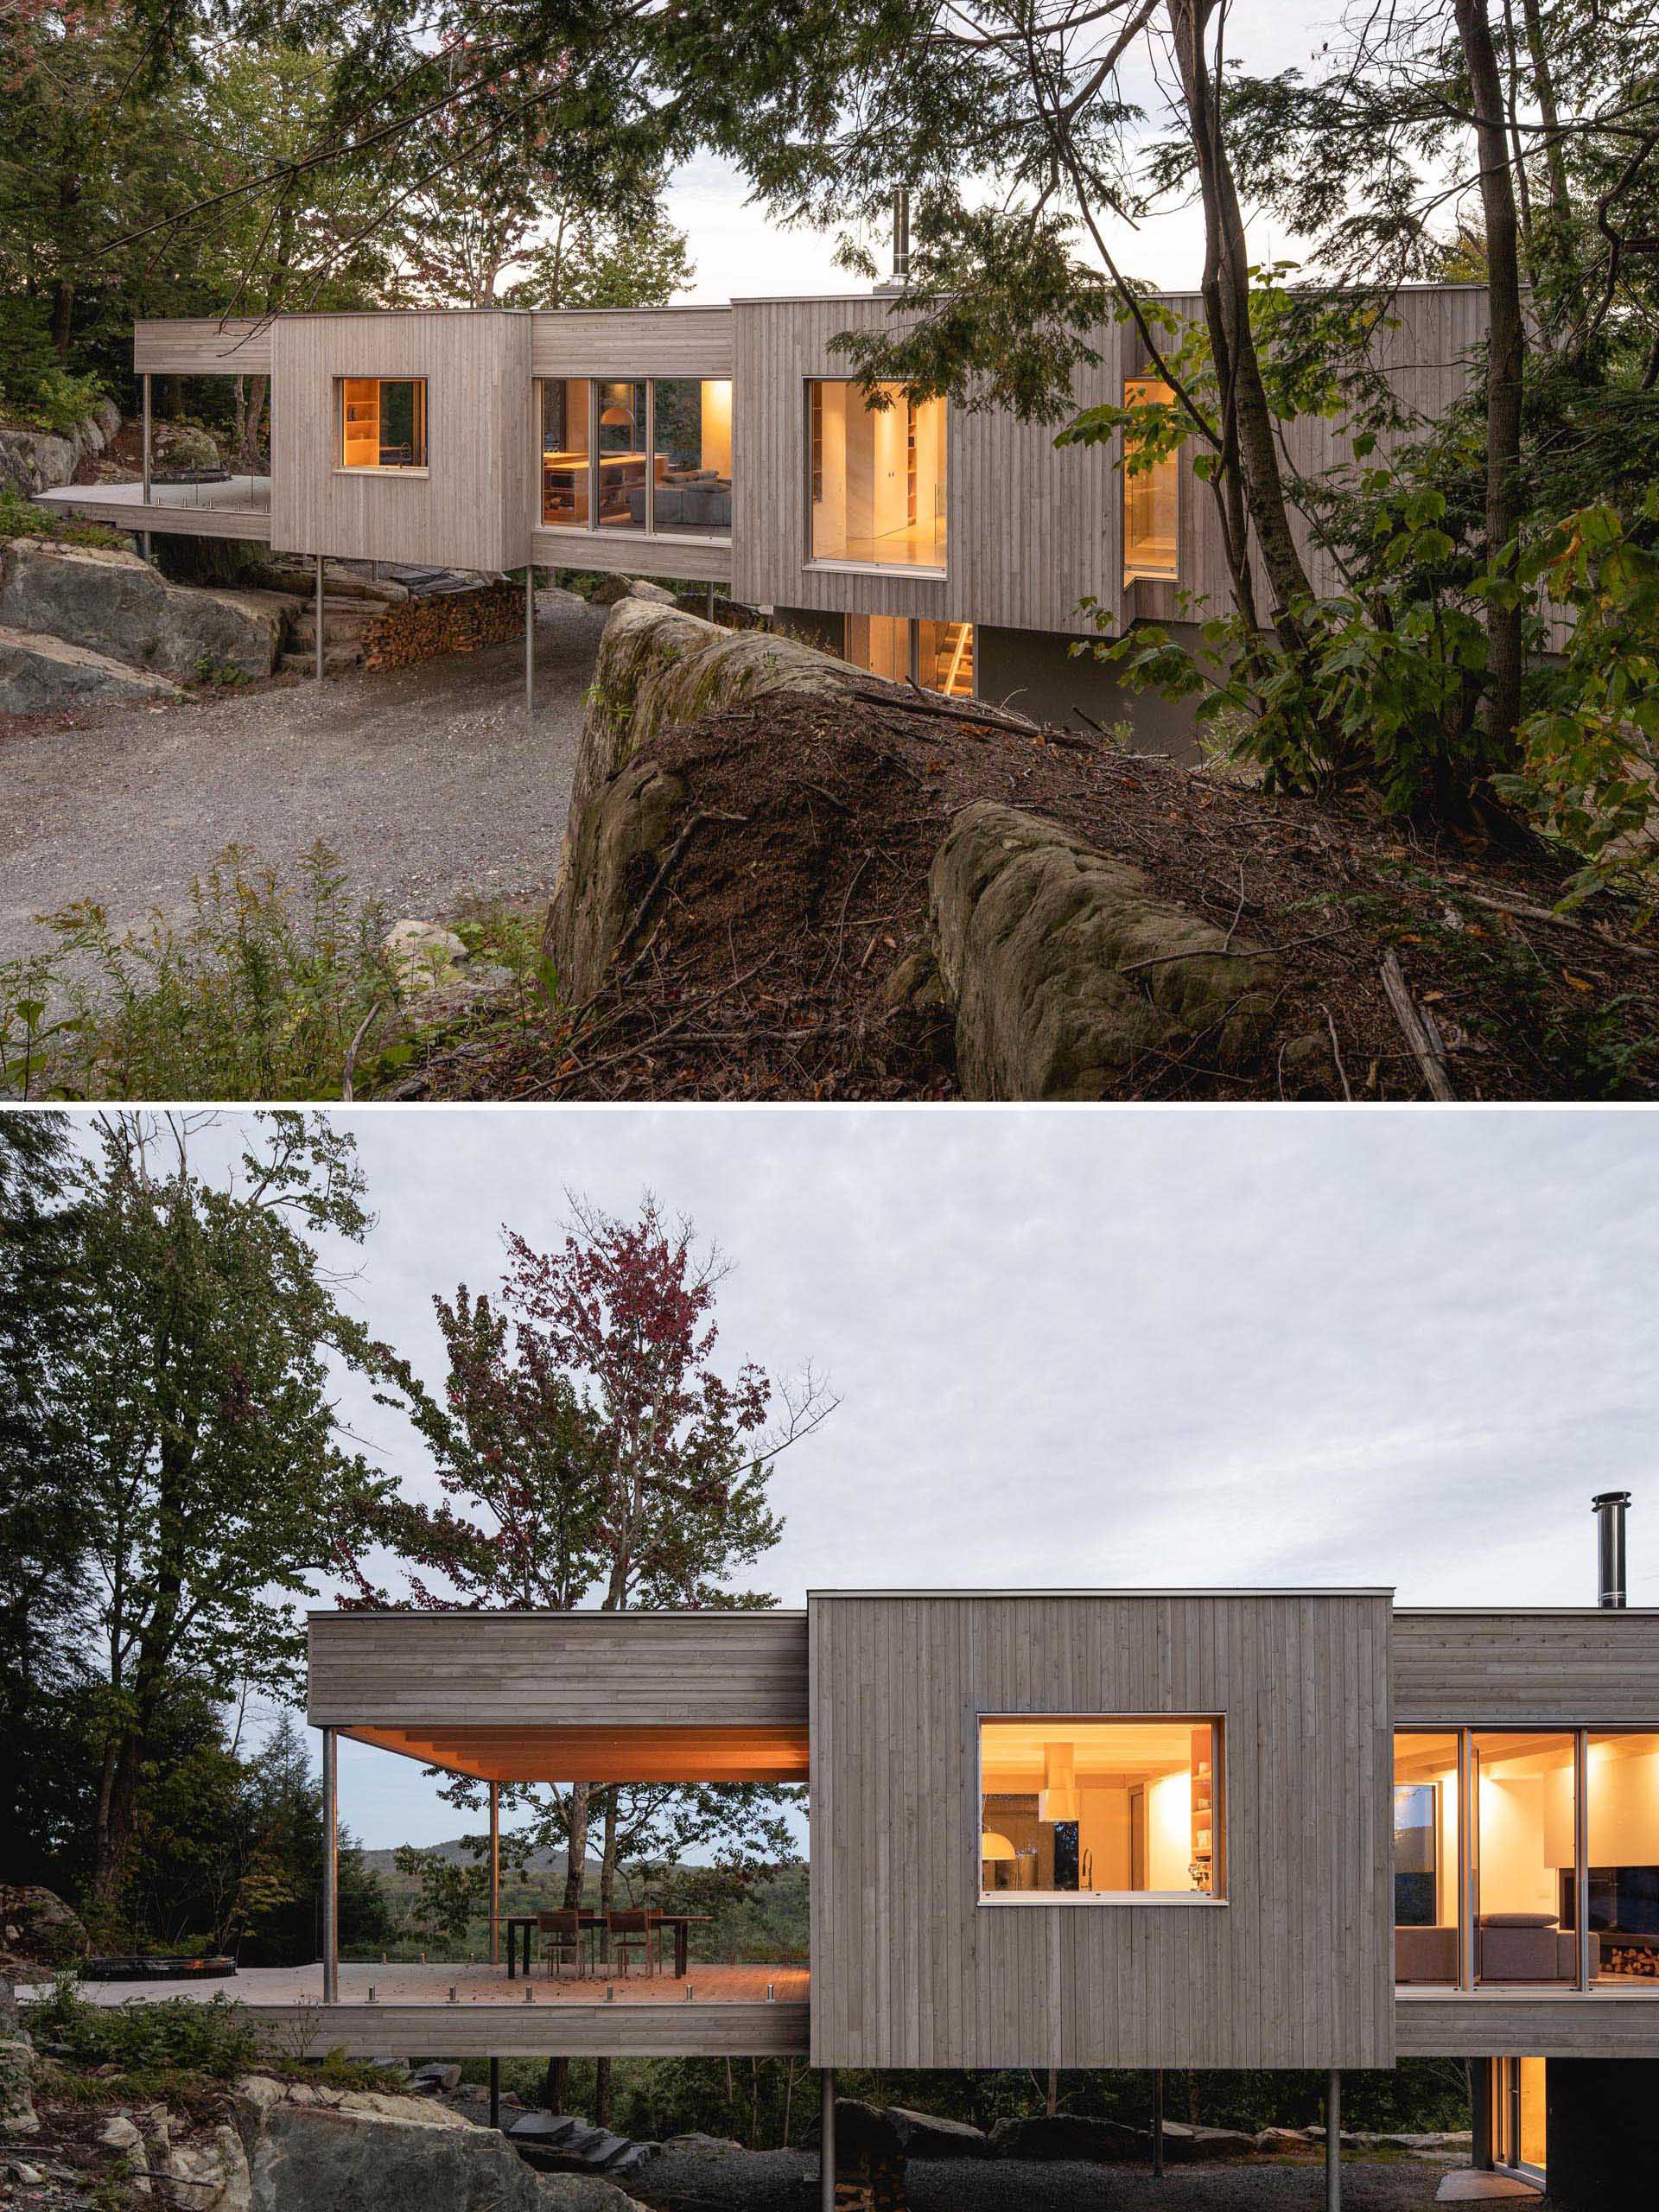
{"x":1610,"y":1545}
{"x":900,"y":234}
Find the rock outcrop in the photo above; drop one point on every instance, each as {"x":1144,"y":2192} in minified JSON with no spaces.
{"x":1067,"y":971}
{"x":117,"y":606}
{"x":36,"y":1925}
{"x":42,"y":674}
{"x":657,"y":666}
{"x":41,"y":461}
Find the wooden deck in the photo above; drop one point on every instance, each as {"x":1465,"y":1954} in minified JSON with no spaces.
{"x":716,"y":2012}
{"x":239,"y":509}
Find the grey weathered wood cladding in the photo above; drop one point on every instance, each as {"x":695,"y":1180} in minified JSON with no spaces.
{"x":549,"y":2027}
{"x":468,"y":507}
{"x":409,"y":1670}
{"x":909,"y":1969}
{"x":1597,"y":1668}
{"x":1533,"y":2024}
{"x":229,"y":345}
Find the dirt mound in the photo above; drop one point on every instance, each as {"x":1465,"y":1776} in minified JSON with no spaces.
{"x":780,"y":948}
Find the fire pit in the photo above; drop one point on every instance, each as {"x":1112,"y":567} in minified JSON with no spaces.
{"x":141,"y":1967}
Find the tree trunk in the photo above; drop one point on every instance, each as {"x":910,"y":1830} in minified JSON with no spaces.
{"x":1247,"y":419}
{"x":1506,"y":350}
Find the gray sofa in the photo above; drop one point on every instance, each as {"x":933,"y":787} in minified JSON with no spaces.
{"x":1509,"y":1946}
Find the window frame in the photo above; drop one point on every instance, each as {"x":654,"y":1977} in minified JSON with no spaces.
{"x":1132,"y":574}
{"x":592,"y":527}
{"x":1620,"y":1988}
{"x":1139,"y":1900}
{"x":812,"y":479}
{"x":416,"y":470}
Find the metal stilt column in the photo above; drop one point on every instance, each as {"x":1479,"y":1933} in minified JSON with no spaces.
{"x":330,"y":1868}
{"x":827,"y":2140}
{"x":1158,"y":2121}
{"x":529,"y":643}
{"x":1333,"y":2142}
{"x":495,"y":2093}
{"x":319,"y":615}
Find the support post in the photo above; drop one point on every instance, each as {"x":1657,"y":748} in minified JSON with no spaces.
{"x":319,"y":615}
{"x":1158,"y":2121}
{"x":529,"y":643}
{"x":1581,"y":1851}
{"x":1333,"y":2141}
{"x":147,"y":464}
{"x":827,"y":2139}
{"x":495,"y":2094}
{"x":495,"y":1877}
{"x":330,"y":1868}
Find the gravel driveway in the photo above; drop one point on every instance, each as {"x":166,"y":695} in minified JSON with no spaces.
{"x":426,"y":781}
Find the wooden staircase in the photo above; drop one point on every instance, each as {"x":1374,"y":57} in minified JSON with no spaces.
{"x":953,"y":666}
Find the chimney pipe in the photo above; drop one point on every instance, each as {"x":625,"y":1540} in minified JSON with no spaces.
{"x":1610,"y":1545}
{"x":900,"y":234}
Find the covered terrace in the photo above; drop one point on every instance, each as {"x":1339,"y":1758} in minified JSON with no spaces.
{"x":511,"y":1698}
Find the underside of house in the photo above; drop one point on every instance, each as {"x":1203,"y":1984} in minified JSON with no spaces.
{"x":954,"y":546}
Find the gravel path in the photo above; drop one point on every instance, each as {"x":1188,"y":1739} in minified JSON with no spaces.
{"x":426,"y":781}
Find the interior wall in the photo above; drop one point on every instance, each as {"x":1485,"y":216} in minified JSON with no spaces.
{"x":717,"y":426}
{"x":1515,"y":1876}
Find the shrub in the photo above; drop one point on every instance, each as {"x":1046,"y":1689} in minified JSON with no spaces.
{"x":258,"y":996}
{"x":178,"y":2034}
{"x":21,"y":517}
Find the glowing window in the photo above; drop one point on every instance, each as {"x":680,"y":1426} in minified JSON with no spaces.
{"x":383,"y":422}
{"x":1118,"y":1811}
{"x":1151,"y":494}
{"x":876,"y":477}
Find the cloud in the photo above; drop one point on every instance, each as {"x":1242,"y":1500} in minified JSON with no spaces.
{"x":1115,"y":1347}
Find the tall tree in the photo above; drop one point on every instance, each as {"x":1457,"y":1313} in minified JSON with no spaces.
{"x":599,"y":1456}
{"x":42,"y":1465}
{"x":214,"y":1482}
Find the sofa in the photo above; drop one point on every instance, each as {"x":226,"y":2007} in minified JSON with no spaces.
{"x":1509,"y":1946}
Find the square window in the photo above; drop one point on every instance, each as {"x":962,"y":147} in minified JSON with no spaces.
{"x":875,"y":476}
{"x":383,"y":422}
{"x":1121,"y":1811}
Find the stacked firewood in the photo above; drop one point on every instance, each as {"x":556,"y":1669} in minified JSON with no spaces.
{"x":1629,"y":1959}
{"x":443,"y":622}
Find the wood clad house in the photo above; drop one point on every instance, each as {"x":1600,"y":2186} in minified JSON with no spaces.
{"x":725,"y":446}
{"x":1272,"y":1829}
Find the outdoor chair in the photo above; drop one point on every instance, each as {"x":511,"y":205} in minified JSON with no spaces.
{"x":563,"y":1938}
{"x":635,"y":1931}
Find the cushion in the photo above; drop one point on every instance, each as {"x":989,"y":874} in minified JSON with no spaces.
{"x":1518,"y":1919}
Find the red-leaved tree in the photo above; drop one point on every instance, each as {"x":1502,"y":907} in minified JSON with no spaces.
{"x":590,"y":1452}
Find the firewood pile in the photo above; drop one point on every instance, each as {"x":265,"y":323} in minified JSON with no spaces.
{"x":443,"y":622}
{"x":1630,"y":1959}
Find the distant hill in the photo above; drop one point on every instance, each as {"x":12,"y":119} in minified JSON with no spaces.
{"x":456,"y":1852}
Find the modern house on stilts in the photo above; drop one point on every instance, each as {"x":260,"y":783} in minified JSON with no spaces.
{"x":1169,"y":1828}
{"x":727,"y":446}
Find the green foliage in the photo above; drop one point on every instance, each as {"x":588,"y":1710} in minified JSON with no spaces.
{"x":176,"y":2034}
{"x":1592,"y":742}
{"x":258,"y":995}
{"x":21,"y":517}
{"x":36,"y":391}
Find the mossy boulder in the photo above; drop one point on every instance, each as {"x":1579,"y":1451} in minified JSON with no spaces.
{"x":1070,"y":977}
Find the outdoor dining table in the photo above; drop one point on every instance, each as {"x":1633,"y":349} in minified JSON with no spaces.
{"x":681,"y":1923}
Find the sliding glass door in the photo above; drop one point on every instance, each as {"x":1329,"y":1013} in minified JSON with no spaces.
{"x":637,"y":456}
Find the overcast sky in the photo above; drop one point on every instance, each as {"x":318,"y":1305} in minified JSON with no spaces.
{"x":1110,"y":1348}
{"x":739,"y":254}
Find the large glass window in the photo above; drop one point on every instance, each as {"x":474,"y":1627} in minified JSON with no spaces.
{"x":876,"y":477}
{"x":1524,"y":1857}
{"x":638,"y":453}
{"x":1425,"y":1857}
{"x":1151,"y":494}
{"x":382,"y":422}
{"x":1621,"y":1786}
{"x":624,"y":435}
{"x":1119,"y":1810}
{"x":566,"y":453}
{"x":692,"y":484}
